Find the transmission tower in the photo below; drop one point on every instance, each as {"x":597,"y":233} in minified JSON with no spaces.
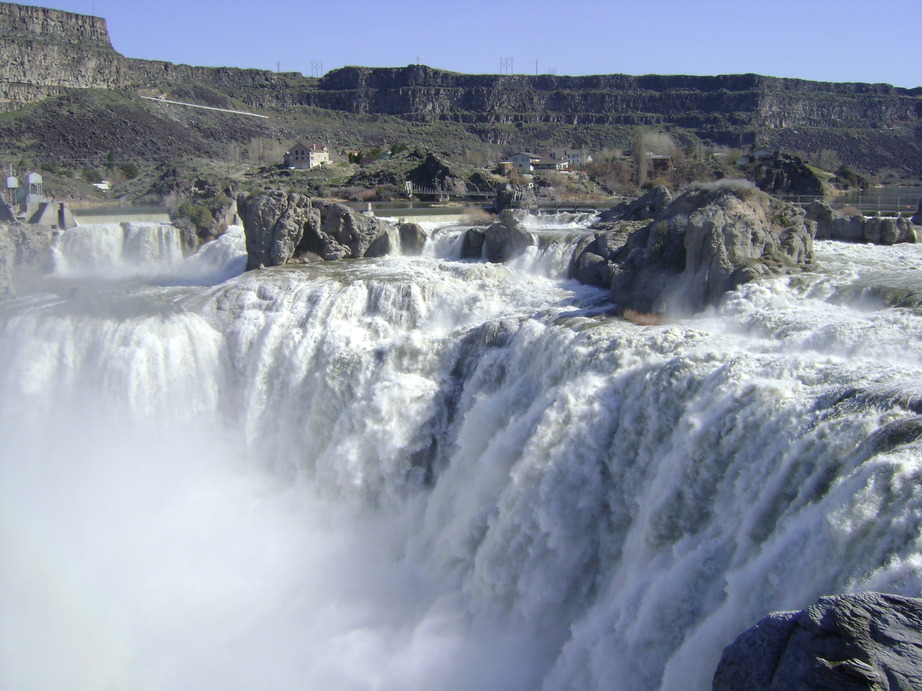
{"x":317,"y":68}
{"x":505,"y":65}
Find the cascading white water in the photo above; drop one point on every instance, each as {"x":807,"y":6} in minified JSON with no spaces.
{"x":418,"y":473}
{"x":111,"y":249}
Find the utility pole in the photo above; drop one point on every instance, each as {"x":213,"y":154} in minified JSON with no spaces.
{"x":536,"y":68}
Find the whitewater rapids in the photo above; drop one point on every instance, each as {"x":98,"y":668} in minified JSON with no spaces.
{"x":426,"y":473}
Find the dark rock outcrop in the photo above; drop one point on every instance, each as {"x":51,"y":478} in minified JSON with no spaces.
{"x":6,"y":213}
{"x":646,"y":207}
{"x":472,"y":244}
{"x":412,"y":238}
{"x":879,"y":230}
{"x":506,"y":239}
{"x":436,"y":173}
{"x":917,"y":219}
{"x":706,"y":242}
{"x":282,"y":226}
{"x":785,"y":174}
{"x":866,"y":641}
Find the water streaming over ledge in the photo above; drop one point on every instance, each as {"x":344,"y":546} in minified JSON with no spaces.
{"x":420,"y":472}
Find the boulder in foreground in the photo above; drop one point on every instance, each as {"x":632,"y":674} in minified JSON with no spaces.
{"x":866,"y":641}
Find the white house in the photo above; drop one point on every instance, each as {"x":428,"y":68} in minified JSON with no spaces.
{"x":304,"y":156}
{"x":524,"y":162}
{"x":552,"y":164}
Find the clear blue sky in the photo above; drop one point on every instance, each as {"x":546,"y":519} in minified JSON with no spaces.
{"x":827,"y":40}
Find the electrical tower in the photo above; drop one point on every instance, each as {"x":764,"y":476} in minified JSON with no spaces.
{"x":317,"y":68}
{"x":505,"y":65}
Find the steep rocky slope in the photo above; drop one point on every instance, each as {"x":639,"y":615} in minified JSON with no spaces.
{"x":44,"y":52}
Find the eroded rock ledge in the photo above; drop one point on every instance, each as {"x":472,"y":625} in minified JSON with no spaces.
{"x":695,"y":248}
{"x":281,"y":227}
{"x":865,"y":641}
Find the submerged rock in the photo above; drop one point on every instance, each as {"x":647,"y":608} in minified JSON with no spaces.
{"x":867,"y":641}
{"x":707,"y":241}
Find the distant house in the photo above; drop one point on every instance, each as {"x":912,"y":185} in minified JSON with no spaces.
{"x":304,"y":156}
{"x":574,"y":158}
{"x":659,"y":163}
{"x":524,"y":162}
{"x":552,"y":164}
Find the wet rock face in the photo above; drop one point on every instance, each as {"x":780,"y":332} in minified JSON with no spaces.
{"x":704,"y":243}
{"x":865,"y":641}
{"x":412,"y":238}
{"x":274,"y":224}
{"x":282,"y":226}
{"x":504,"y":240}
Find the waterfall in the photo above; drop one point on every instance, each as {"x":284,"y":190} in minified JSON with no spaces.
{"x":419,"y":472}
{"x":117,"y":249}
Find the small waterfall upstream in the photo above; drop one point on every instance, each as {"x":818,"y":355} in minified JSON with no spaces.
{"x":429,"y":473}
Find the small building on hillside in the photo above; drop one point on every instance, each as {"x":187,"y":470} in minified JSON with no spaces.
{"x":552,"y":164}
{"x":524,"y":161}
{"x":658,"y":164}
{"x":574,"y":157}
{"x":305,"y":156}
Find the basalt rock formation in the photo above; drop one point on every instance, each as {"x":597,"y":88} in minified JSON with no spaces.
{"x":860,"y":642}
{"x":504,"y":240}
{"x":647,"y":206}
{"x":44,"y":53}
{"x":706,"y":242}
{"x":283,"y":226}
{"x":785,"y":174}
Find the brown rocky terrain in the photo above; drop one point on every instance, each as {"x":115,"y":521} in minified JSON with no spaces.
{"x":47,"y":53}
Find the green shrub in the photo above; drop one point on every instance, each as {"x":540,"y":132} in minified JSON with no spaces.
{"x":129,"y":170}
{"x":200,"y":216}
{"x":92,"y":176}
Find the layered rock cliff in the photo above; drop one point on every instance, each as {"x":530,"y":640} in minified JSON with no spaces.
{"x":43,"y":52}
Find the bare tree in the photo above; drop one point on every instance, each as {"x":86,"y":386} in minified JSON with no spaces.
{"x":649,"y":142}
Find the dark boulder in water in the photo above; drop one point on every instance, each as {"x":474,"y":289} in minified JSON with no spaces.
{"x":865,"y":641}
